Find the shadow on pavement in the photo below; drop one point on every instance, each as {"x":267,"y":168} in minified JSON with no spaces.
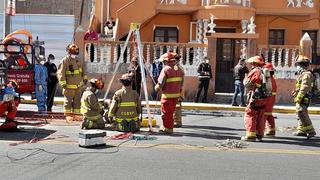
{"x":300,"y":141}
{"x":211,"y":128}
{"x":26,"y":134}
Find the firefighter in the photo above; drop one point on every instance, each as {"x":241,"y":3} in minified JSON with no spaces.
{"x":170,"y":82}
{"x":270,"y":102}
{"x":254,"y":111}
{"x":205,"y":75}
{"x":72,"y":78}
{"x":125,"y":107}
{"x":41,"y":77}
{"x":177,"y":115}
{"x":302,"y":96}
{"x":8,"y":105}
{"x":91,"y":109}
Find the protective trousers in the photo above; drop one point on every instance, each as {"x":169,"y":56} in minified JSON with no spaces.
{"x":127,"y":126}
{"x":9,"y":107}
{"x":72,"y":101}
{"x":168,"y":107}
{"x":41,"y":95}
{"x":178,"y":114}
{"x":268,"y":113}
{"x":254,"y":118}
{"x":203,"y":84}
{"x":305,"y":124}
{"x":94,"y":124}
{"x":50,"y":95}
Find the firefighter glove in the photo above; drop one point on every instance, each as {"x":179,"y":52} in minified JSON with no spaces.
{"x":157,"y":88}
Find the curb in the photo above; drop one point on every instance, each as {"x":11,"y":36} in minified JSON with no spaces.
{"x":210,"y":107}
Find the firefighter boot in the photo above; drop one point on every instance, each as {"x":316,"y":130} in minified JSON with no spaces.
{"x":311,"y":134}
{"x":85,"y":124}
{"x":133,"y":126}
{"x":248,"y":138}
{"x":164,"y":130}
{"x":271,"y":133}
{"x":300,"y":133}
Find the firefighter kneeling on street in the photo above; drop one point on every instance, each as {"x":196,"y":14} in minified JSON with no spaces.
{"x":91,"y":109}
{"x":302,"y":96}
{"x":125,"y":107}
{"x":8,"y":106}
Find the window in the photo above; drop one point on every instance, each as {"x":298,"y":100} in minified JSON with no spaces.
{"x":166,"y":34}
{"x":276,"y":37}
{"x":314,"y":37}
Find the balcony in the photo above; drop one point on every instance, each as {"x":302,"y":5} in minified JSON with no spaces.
{"x":101,"y":56}
{"x":242,"y":3}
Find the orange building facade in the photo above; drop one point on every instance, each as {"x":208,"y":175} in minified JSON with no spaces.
{"x":223,"y":30}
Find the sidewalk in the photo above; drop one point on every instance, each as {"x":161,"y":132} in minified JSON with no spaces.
{"x":199,"y":106}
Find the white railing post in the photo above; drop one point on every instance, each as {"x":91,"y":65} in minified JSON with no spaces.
{"x":128,"y":53}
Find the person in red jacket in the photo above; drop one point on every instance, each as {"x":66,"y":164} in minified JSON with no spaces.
{"x":270,"y":102}
{"x":170,"y":82}
{"x":254,"y":112}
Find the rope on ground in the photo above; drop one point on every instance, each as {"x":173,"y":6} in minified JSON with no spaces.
{"x":231,"y":144}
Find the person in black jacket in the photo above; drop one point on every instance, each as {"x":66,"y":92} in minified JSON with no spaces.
{"x":52,"y":81}
{"x":135,"y":71}
{"x":240,"y":71}
{"x":205,"y":75}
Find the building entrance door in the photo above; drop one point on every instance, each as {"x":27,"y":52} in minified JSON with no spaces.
{"x":225,"y":57}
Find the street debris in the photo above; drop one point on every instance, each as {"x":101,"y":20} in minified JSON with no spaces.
{"x":231,"y":144}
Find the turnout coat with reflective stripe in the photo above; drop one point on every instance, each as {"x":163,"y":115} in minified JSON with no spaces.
{"x":171,"y":81}
{"x":254,"y":79}
{"x":304,"y":84}
{"x":90,"y":107}
{"x":125,"y":105}
{"x":71,"y":72}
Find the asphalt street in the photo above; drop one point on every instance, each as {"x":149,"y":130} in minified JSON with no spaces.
{"x":208,"y":146}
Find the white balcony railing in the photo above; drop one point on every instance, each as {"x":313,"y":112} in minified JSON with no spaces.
{"x":283,"y":59}
{"x":101,"y":56}
{"x":244,"y":3}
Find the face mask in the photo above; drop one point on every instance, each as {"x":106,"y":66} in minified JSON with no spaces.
{"x":299,"y":68}
{"x":42,"y":62}
{"x":73,"y":56}
{"x":97,"y":91}
{"x":207,"y":61}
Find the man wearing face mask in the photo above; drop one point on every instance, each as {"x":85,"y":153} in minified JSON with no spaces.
{"x":52,"y":81}
{"x":40,"y":77}
{"x":205,"y":75}
{"x":155,"y":69}
{"x":91,"y":109}
{"x":302,"y":96}
{"x":72,"y":78}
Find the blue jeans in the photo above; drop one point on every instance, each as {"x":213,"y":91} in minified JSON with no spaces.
{"x":238,"y":88}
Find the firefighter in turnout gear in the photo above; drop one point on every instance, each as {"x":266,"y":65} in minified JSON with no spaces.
{"x":125,"y":107}
{"x":72,"y":78}
{"x":170,"y":82}
{"x":302,"y":96}
{"x":270,"y":102}
{"x":91,"y":109}
{"x":254,"y":112}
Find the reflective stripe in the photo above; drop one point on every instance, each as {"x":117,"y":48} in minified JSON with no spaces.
{"x":76,"y":110}
{"x":170,"y":95}
{"x":268,"y":113}
{"x":127,"y":119}
{"x":174,"y":79}
{"x":72,"y":86}
{"x":251,"y":134}
{"x":274,"y":93}
{"x":75,"y":72}
{"x":62,"y":83}
{"x":94,"y":118}
{"x":85,"y":77}
{"x":258,"y":85}
{"x":305,"y":128}
{"x":90,"y":124}
{"x":67,"y":110}
{"x":127,"y":104}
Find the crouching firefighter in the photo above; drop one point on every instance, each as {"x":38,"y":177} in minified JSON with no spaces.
{"x":254,"y":112}
{"x":170,"y":82}
{"x":8,"y":106}
{"x":302,"y":96}
{"x":125,"y":107}
{"x":91,"y":109}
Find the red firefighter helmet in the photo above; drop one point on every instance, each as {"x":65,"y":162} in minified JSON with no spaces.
{"x":256,"y":59}
{"x":269,"y":66}
{"x":97,"y":83}
{"x":73,"y":49}
{"x":169,"y":56}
